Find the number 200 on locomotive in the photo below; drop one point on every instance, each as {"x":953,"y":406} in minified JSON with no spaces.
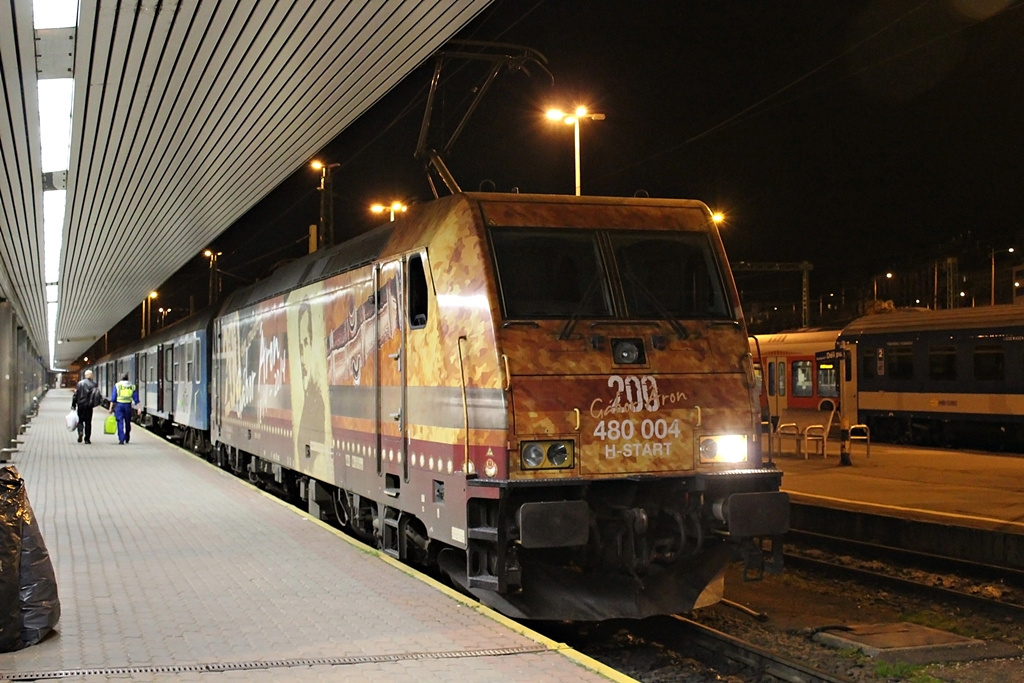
{"x":550,"y":399}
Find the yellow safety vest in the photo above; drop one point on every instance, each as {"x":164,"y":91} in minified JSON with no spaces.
{"x":124,"y":392}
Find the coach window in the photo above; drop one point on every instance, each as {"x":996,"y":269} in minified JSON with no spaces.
{"x":988,"y":362}
{"x":417,"y":292}
{"x":900,"y":362}
{"x":828,"y":380}
{"x":782,"y":378}
{"x":803,"y":383}
{"x":942,"y":363}
{"x":771,"y":378}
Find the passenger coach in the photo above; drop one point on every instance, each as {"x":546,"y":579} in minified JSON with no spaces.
{"x":800,"y":375}
{"x":952,"y":377}
{"x":171,"y":370}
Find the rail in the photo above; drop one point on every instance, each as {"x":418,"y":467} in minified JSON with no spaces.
{"x":769,"y":664}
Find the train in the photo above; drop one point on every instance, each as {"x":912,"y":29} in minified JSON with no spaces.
{"x":549,"y":400}
{"x":795,"y":383}
{"x":950,"y":378}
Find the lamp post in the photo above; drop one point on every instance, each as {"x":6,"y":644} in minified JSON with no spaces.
{"x":994,"y":252}
{"x":163,"y":315}
{"x":392,"y":208}
{"x":574,"y":119}
{"x":147,"y":308}
{"x":326,"y":236}
{"x":214,"y":275}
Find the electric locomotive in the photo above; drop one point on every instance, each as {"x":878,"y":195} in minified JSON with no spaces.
{"x":550,"y":398}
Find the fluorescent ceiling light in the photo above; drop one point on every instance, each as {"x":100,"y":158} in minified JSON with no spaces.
{"x":56,"y":98}
{"x":54,"y":203}
{"x":54,"y":13}
{"x":51,"y":326}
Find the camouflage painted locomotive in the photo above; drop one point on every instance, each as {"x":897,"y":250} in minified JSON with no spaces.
{"x":550,"y":398}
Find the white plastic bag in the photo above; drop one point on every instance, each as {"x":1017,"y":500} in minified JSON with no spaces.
{"x":72,"y":420}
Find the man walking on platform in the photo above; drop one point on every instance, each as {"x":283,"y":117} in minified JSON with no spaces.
{"x":82,"y":401}
{"x":125,"y":394}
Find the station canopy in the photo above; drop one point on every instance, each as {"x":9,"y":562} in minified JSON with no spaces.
{"x":183,"y":115}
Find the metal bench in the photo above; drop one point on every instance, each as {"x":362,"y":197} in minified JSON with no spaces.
{"x":814,"y":434}
{"x":861,"y":433}
{"x":788,"y":430}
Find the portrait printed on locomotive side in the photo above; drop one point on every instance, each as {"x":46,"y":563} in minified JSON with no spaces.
{"x":310,"y":400}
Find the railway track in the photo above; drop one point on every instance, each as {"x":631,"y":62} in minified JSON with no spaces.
{"x":937,"y":563}
{"x":759,"y":660}
{"x":978,"y":585}
{"x":677,"y":648}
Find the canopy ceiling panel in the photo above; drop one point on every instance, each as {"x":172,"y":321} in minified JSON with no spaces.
{"x":185,"y":115}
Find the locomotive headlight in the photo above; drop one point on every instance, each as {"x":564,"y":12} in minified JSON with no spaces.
{"x":558,"y":454}
{"x":547,"y":454}
{"x":723,"y":448}
{"x":628,"y":351}
{"x":533,"y":455}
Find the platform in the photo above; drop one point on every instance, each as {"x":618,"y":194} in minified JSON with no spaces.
{"x":961,"y":488}
{"x":171,"y":569}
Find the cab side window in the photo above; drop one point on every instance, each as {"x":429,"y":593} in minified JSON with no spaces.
{"x":418,"y":293}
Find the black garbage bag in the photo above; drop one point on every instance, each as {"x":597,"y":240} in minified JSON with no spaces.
{"x":38,"y":602}
{"x":10,"y":561}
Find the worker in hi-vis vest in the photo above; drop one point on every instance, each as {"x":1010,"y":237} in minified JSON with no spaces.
{"x":125,"y":394}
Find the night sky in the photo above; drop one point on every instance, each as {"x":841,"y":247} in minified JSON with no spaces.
{"x":858,"y":136}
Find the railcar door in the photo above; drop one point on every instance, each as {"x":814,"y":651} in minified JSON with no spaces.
{"x":848,"y":369}
{"x":160,"y":379}
{"x":776,"y":372}
{"x":138,"y":376}
{"x":167,"y":391}
{"x":142,"y":381}
{"x":216,"y":384}
{"x":391,"y":373}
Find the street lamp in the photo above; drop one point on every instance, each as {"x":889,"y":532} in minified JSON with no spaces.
{"x":574,"y":120}
{"x":326,"y":236}
{"x":214,"y":274}
{"x":147,"y":307}
{"x":994,"y":252}
{"x":393,"y":207}
{"x":717,"y":217}
{"x":163,"y":315}
{"x":874,"y":281}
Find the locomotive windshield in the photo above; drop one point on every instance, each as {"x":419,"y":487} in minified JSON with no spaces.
{"x":551,"y":274}
{"x":567,"y":274}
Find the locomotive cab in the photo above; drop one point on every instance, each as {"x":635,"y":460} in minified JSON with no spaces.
{"x":634,"y":467}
